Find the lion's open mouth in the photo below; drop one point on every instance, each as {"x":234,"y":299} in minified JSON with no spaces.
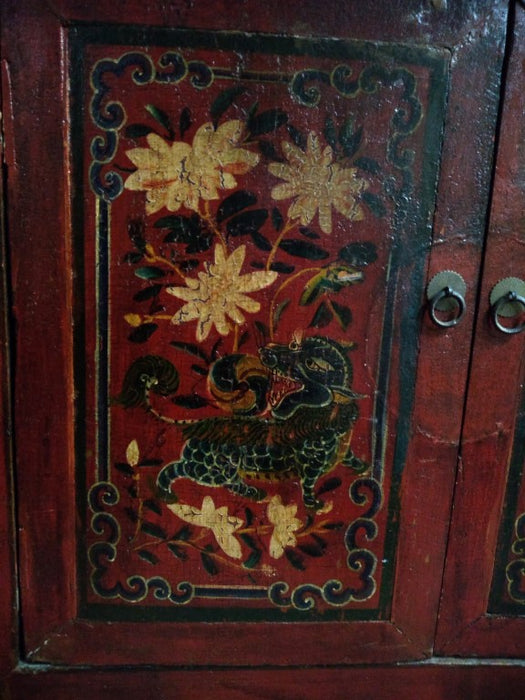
{"x":280,"y":386}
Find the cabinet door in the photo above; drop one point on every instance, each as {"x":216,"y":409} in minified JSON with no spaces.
{"x":236,"y":431}
{"x":484,"y":594}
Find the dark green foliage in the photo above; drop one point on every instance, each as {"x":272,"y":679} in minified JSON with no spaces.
{"x":135,"y":131}
{"x":248,"y":222}
{"x":358,"y":254}
{"x":162,"y":118}
{"x":191,"y":401}
{"x":148,"y":293}
{"x":322,"y":317}
{"x":369,"y":165}
{"x":149,"y":273}
{"x":178,"y":551}
{"x":153,"y":530}
{"x":235,"y":203}
{"x":342,"y":314}
{"x":329,"y":485}
{"x":374,"y":203}
{"x":142,"y":332}
{"x":224,"y":100}
{"x":209,"y":565}
{"x":184,"y":121}
{"x":124,"y":468}
{"x":277,"y":219}
{"x":148,"y":556}
{"x":303,"y":249}
{"x":152,"y":505}
{"x":266,"y":122}
{"x":295,"y":559}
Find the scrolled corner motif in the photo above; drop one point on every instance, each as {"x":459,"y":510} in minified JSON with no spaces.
{"x":364,"y":491}
{"x":103,"y":553}
{"x":109,"y":115}
{"x":515,"y":570}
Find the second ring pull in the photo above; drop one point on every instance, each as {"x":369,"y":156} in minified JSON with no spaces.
{"x":507,"y":301}
{"x":446,"y":298}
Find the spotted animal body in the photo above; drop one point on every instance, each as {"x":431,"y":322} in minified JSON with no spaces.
{"x":304,"y":436}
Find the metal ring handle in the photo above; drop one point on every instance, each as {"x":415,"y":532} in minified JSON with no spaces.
{"x":508,"y":298}
{"x":447,"y":293}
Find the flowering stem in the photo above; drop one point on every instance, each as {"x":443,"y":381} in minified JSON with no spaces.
{"x":289,"y":225}
{"x":152,"y":257}
{"x":283,"y":286}
{"x":208,"y":217}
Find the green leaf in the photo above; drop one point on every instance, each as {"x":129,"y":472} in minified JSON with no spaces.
{"x":209,"y":564}
{"x":342,"y":314}
{"x":185,"y":229}
{"x":266,"y":122}
{"x":312,"y":289}
{"x":142,"y":333}
{"x":369,"y":165}
{"x":329,"y":485}
{"x":261,"y":241}
{"x":249,"y":516}
{"x":177,"y":551}
{"x":349,"y":139}
{"x":132,"y":515}
{"x":358,"y":254}
{"x":184,"y":121}
{"x":124,"y":468}
{"x":190,"y":348}
{"x":224,"y":100}
{"x":247,"y":223}
{"x":148,"y":556}
{"x":279,"y":310}
{"x":282,"y":268}
{"x":308,"y":232}
{"x":200,"y":370}
{"x":135,"y":131}
{"x":295,"y":559}
{"x":192,"y":401}
{"x":162,"y":118}
{"x":312,"y":549}
{"x":182,"y":535}
{"x":153,"y":530}
{"x":263,"y":329}
{"x":303,"y":249}
{"x":297,"y":137}
{"x":334,"y":526}
{"x":277,"y":219}
{"x":235,"y":203}
{"x":248,"y":539}
{"x":148,"y":293}
{"x":133,"y":258}
{"x":253,"y":559}
{"x":330,"y":133}
{"x":152,"y":505}
{"x":374,"y":203}
{"x":149,"y":273}
{"x":322,"y":317}
{"x":136,"y":234}
{"x":269,"y":151}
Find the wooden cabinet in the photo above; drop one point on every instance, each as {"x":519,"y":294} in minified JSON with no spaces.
{"x":255,"y":401}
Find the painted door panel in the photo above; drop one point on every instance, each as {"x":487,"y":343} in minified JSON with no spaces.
{"x":201,"y":201}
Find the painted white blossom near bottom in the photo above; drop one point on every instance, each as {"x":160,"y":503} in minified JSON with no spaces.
{"x":216,"y":519}
{"x":285,"y":525}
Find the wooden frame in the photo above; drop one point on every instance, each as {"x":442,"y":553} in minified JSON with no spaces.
{"x":492,"y":457}
{"x":44,"y":390}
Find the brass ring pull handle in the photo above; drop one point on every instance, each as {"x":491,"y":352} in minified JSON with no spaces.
{"x":507,"y":300}
{"x":446,"y":298}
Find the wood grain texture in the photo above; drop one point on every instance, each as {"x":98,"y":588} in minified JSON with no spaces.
{"x":38,"y":191}
{"x":496,"y":376}
{"x":496,"y":682}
